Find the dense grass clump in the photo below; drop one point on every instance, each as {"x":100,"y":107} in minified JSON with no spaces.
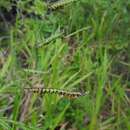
{"x":71,"y":45}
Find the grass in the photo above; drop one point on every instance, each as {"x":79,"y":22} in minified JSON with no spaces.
{"x":79,"y":46}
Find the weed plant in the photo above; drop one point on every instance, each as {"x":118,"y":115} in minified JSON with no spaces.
{"x":74,"y":45}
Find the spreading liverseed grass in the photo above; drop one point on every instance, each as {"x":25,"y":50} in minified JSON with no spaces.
{"x":64,"y":65}
{"x":57,"y":92}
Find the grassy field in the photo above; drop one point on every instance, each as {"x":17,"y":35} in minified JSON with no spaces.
{"x":71,"y":45}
